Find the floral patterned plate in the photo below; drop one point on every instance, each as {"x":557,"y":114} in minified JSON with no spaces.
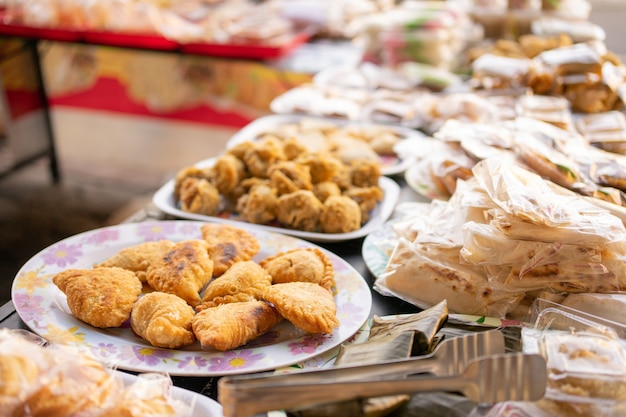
{"x":42,"y":306}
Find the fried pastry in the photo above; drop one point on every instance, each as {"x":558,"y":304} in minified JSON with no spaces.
{"x":183,"y":271}
{"x":262,"y":155}
{"x":325,"y":189}
{"x":163,"y":319}
{"x":228,"y":326}
{"x":138,"y":257}
{"x":322,"y":166}
{"x":228,"y":171}
{"x":258,"y":206}
{"x":289,"y":176}
{"x":367,"y":198}
{"x":365,"y":173}
{"x":244,"y":281}
{"x":340,"y":214}
{"x":189,"y":172}
{"x":301,"y":264}
{"x":228,"y":244}
{"x":102,"y":297}
{"x":299,"y":210}
{"x":198,"y":195}
{"x":306,"y":305}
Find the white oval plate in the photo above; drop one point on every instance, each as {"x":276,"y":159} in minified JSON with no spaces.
{"x":164,"y":200}
{"x":390,"y":165}
{"x":42,"y":306}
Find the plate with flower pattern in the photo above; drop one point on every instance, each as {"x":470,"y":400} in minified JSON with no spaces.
{"x":42,"y":306}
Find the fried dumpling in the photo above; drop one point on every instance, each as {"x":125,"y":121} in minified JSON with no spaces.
{"x":138,"y":257}
{"x":183,"y":271}
{"x":299,"y":210}
{"x":301,"y":264}
{"x":163,"y":319}
{"x":244,"y":281}
{"x":306,"y":305}
{"x":102,"y":297}
{"x":340,"y":214}
{"x":228,"y":326}
{"x":198,"y":195}
{"x":228,"y":244}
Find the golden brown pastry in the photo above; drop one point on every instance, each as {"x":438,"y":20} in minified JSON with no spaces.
{"x":228,"y":244}
{"x":183,"y":271}
{"x":163,"y":319}
{"x":322,"y":166}
{"x":306,"y":305}
{"x":244,"y":281}
{"x":365,"y":173}
{"x":228,"y":326}
{"x":137,"y":258}
{"x":258,"y":206}
{"x":325,"y":189}
{"x":299,"y":210}
{"x":301,"y":264}
{"x":189,"y":172}
{"x":102,"y":297}
{"x":263,"y":154}
{"x":289,"y":176}
{"x":367,"y":198}
{"x":340,"y":214}
{"x":228,"y":172}
{"x":198,"y":195}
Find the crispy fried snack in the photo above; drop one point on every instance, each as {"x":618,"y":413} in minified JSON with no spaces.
{"x":227,"y":245}
{"x":263,"y":154}
{"x":189,"y":172}
{"x":198,"y":195}
{"x":228,"y":326}
{"x":163,"y":319}
{"x":365,"y":173}
{"x":138,"y":257}
{"x":102,"y":297}
{"x":258,"y":206}
{"x":244,"y":281}
{"x":228,"y":172}
{"x":325,"y":189}
{"x":301,"y":264}
{"x":289,"y":176}
{"x":367,"y":198}
{"x":340,"y":214}
{"x":183,"y":271}
{"x":306,"y":305}
{"x":323,"y":166}
{"x":299,"y":210}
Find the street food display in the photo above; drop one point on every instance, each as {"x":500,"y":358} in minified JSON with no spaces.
{"x":514,"y":143}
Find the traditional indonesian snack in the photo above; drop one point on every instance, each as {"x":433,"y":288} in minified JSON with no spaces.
{"x":282,"y":176}
{"x":186,"y":300}
{"x":503,"y":236}
{"x":60,"y":381}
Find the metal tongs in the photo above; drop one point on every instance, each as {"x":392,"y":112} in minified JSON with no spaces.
{"x":454,"y":363}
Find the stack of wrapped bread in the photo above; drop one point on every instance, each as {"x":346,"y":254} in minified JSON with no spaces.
{"x":62,"y":381}
{"x":505,"y":236}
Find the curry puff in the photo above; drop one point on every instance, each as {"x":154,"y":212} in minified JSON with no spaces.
{"x":102,"y":297}
{"x":306,"y":305}
{"x":138,"y":257}
{"x":227,"y":245}
{"x":183,"y":271}
{"x":228,"y":326}
{"x":244,"y":281}
{"x":163,"y":319}
{"x":301,"y":264}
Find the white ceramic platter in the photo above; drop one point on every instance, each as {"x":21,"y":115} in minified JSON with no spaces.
{"x":43,"y":307}
{"x":165,"y":201}
{"x":392,"y":164}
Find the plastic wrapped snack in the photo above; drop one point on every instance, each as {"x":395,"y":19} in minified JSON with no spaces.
{"x":64,"y":381}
